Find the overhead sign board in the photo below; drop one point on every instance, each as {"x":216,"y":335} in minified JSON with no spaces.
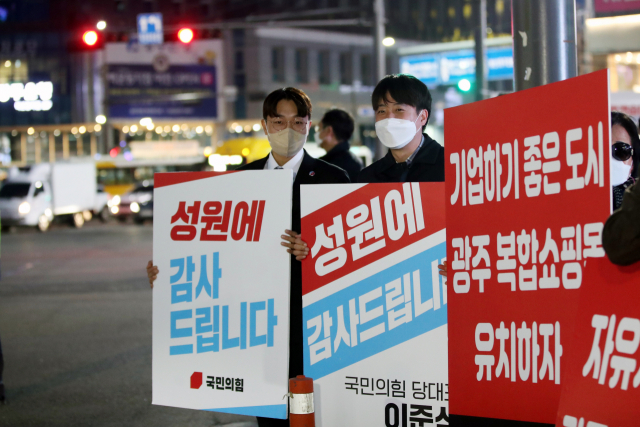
{"x":448,"y":68}
{"x":150,"y":29}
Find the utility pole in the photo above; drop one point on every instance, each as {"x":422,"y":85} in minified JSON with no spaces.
{"x":479,"y":34}
{"x":379,"y":59}
{"x":544,"y":41}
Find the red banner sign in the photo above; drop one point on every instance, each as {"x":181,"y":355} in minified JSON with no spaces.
{"x":527,"y":193}
{"x":616,"y":5}
{"x":602,"y":381}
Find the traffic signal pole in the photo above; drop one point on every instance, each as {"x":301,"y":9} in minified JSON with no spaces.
{"x":379,"y":58}
{"x":479,"y":35}
{"x":544,"y":41}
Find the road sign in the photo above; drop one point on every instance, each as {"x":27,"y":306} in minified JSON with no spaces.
{"x":150,"y":28}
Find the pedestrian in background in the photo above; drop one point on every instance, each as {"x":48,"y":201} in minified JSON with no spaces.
{"x":334,"y":132}
{"x":625,"y":152}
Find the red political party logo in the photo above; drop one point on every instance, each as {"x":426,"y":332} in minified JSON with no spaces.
{"x":196,"y":380}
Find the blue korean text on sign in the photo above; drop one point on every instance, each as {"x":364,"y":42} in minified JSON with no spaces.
{"x":150,"y":28}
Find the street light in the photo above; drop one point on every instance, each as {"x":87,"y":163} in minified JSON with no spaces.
{"x":101,"y":25}
{"x":388,"y":41}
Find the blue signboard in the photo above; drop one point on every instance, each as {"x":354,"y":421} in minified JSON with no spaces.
{"x":180,"y":91}
{"x":448,"y":68}
{"x":150,"y":28}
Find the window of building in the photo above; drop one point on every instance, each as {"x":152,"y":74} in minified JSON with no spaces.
{"x":302,"y":66}
{"x":346,"y":73}
{"x":277,"y":64}
{"x":239,"y":60}
{"x":205,"y":8}
{"x":324,"y":72}
{"x":177,"y":8}
{"x":148,"y":6}
{"x":366,"y":69}
{"x":237,"y":35}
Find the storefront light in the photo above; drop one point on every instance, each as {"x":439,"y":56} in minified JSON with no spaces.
{"x":256,"y":127}
{"x":199,"y":130}
{"x":208,"y":129}
{"x":150,"y":126}
{"x":134,"y":128}
{"x":167,"y":128}
{"x":247,"y":128}
{"x":125,"y":129}
{"x":74,"y":130}
{"x":159,"y":130}
{"x":184,"y":127}
{"x":101,"y":119}
{"x":97,"y":128}
{"x":56,"y":132}
{"x":7,"y":63}
{"x":82,"y":129}
{"x":238,"y":129}
{"x":31,"y":131}
{"x":175,"y":128}
{"x":618,"y":58}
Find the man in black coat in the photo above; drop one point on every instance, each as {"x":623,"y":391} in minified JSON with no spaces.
{"x":286,"y":123}
{"x":402,"y":107}
{"x":334,"y":131}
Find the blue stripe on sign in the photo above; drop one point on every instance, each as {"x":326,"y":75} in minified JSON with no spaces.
{"x":378,"y":336}
{"x":269,"y":411}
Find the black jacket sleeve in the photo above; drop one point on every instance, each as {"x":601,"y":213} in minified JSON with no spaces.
{"x":621,"y":234}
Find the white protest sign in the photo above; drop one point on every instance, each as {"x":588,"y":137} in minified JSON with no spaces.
{"x":374,"y":305}
{"x":221,"y":299}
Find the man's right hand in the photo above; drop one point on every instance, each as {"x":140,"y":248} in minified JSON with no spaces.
{"x":152,"y":272}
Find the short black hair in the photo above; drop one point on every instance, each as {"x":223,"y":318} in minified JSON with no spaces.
{"x":302,"y":101}
{"x":404,"y":89}
{"x":340,"y":121}
{"x":619,"y":118}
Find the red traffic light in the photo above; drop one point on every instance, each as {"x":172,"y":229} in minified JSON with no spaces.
{"x":90,"y":38}
{"x":185,"y":35}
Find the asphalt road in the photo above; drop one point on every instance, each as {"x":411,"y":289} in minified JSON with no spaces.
{"x":75,"y":326}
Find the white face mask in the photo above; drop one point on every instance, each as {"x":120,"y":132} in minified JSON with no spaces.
{"x":396,"y":133}
{"x":619,"y":172}
{"x":287,"y":142}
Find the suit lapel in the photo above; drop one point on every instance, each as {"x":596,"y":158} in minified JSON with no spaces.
{"x":306,"y":173}
{"x":259,"y":164}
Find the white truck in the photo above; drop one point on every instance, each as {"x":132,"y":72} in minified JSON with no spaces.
{"x":33,"y":195}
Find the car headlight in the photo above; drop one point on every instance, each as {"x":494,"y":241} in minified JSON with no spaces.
{"x":24,"y":208}
{"x":115,"y":201}
{"x":135,"y":208}
{"x":115,"y":209}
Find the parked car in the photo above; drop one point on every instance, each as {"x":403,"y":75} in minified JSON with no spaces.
{"x":130,"y":204}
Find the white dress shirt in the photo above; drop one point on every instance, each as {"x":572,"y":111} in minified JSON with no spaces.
{"x":293,"y":164}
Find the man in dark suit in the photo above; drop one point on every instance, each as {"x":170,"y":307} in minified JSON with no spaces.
{"x":334,"y":131}
{"x":286,"y":123}
{"x":402,"y":107}
{"x":287,"y":114}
